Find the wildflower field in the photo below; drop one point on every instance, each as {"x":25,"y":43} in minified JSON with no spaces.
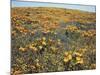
{"x":46,"y":39}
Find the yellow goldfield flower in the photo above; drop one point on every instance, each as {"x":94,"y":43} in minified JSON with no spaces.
{"x":80,"y":61}
{"x":59,"y":41}
{"x":40,"y":47}
{"x":32,"y":44}
{"x":66,"y":60}
{"x":33,"y":48}
{"x":38,"y":65}
{"x":83,"y":49}
{"x":44,"y":38}
{"x":22,"y":49}
{"x":89,"y":33}
{"x":43,"y":43}
{"x":72,"y":28}
{"x":69,"y":57}
{"x":32,"y":32}
{"x":37,"y":60}
{"x":78,"y":58}
{"x":78,"y":54}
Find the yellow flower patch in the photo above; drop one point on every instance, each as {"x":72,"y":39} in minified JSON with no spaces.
{"x":22,"y":49}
